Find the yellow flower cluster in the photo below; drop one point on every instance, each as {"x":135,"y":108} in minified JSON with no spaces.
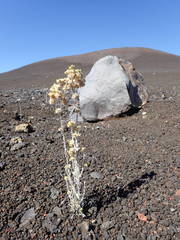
{"x":73,"y":146}
{"x":75,"y":128}
{"x":65,"y":90}
{"x":71,"y":124}
{"x":74,"y":79}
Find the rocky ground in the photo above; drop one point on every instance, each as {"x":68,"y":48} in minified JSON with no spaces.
{"x":131,"y":170}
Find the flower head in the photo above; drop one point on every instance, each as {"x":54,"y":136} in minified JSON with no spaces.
{"x":71,"y":124}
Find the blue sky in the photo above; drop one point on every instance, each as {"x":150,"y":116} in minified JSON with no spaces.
{"x":34,"y":30}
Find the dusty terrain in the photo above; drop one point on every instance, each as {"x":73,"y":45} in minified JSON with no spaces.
{"x":131,"y":164}
{"x":42,"y":74}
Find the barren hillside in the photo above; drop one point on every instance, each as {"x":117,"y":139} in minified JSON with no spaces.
{"x":152,"y":63}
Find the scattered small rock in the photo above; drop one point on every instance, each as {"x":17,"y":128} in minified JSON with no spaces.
{"x":57,"y":211}
{"x":20,"y":155}
{"x":84,"y":226}
{"x":120,"y":236}
{"x":28,"y":216}
{"x":144,"y":113}
{"x":27,"y":189}
{"x":151,"y":237}
{"x":105,"y":235}
{"x":54,"y":193}
{"x":124,"y":139}
{"x":107,"y":225}
{"x":96,"y":175}
{"x":33,"y":150}
{"x":15,"y":140}
{"x":24,"y":127}
{"x":172,"y":209}
{"x":51,"y":223}
{"x":18,"y":116}
{"x":92,"y":211}
{"x":2,"y":166}
{"x":2,"y":105}
{"x":18,"y":146}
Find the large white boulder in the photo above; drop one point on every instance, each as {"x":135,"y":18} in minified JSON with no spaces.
{"x":110,"y":89}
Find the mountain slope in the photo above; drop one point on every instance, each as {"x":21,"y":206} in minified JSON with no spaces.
{"x":43,"y":73}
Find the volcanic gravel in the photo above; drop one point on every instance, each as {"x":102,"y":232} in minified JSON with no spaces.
{"x":131,"y":170}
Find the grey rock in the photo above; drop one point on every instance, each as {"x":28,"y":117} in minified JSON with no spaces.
{"x":28,"y":216}
{"x":84,"y":226}
{"x":87,"y":232}
{"x":49,"y":225}
{"x":151,"y":237}
{"x":105,"y":235}
{"x":18,"y":146}
{"x":20,"y":155}
{"x":57,"y":211}
{"x":104,"y":94}
{"x":112,"y":87}
{"x":33,"y":150}
{"x":27,"y":189}
{"x":2,"y":105}
{"x":54,"y":193}
{"x":172,"y":209}
{"x":96,"y":175}
{"x":107,"y":225}
{"x":92,"y":211}
{"x":2,"y":166}
{"x":120,"y":236}
{"x":124,"y":139}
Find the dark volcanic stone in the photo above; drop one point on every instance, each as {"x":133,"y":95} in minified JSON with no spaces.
{"x":2,"y":166}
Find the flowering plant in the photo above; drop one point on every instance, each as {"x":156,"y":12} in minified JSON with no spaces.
{"x":65,"y":92}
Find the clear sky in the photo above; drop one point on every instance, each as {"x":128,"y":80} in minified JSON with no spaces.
{"x":34,"y":30}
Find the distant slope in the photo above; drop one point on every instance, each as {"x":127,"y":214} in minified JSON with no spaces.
{"x":43,"y":73}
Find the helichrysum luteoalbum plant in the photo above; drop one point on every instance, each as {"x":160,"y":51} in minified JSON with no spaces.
{"x":64,"y":93}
